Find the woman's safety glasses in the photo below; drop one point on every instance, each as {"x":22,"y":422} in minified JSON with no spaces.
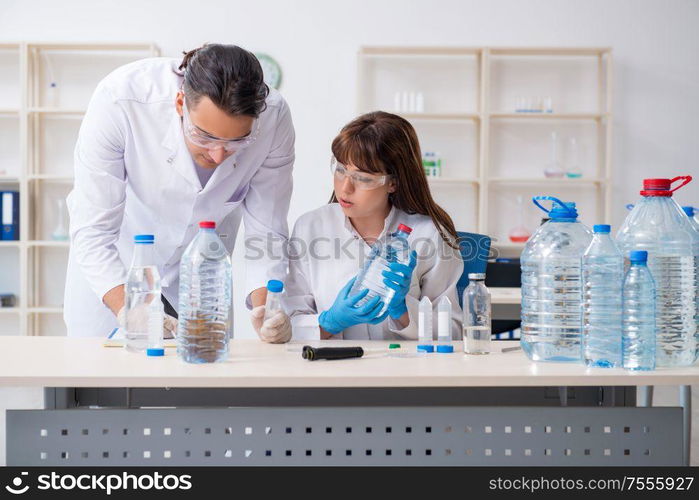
{"x":360,"y":180}
{"x":198,"y":137}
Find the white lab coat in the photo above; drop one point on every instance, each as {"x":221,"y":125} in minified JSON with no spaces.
{"x":326,"y":252}
{"x":134,"y":174}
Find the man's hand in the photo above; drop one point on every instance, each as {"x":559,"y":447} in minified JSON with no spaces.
{"x":115,"y":299}
{"x":138,"y":320}
{"x":276,"y":330}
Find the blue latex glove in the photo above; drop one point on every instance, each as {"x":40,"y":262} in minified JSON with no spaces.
{"x":343,"y":313}
{"x":398,"y":278}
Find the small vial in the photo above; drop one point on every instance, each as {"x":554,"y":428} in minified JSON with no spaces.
{"x":444,"y":343}
{"x":274,"y":294}
{"x":155,"y":328}
{"x":477,"y":314}
{"x":424,"y":326}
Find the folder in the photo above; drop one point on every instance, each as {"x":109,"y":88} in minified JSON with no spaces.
{"x":9,"y":215}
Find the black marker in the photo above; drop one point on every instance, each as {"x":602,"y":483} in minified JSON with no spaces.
{"x":315,"y":353}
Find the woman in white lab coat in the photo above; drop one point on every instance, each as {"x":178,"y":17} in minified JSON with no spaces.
{"x":166,"y":143}
{"x":379,"y":183}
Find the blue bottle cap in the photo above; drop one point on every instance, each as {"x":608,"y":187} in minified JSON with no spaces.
{"x":425,"y":348}
{"x":445,"y":348}
{"x":689,"y":211}
{"x":602,"y":228}
{"x":638,"y":256}
{"x":155,"y":351}
{"x":144,"y":239}
{"x":275,"y":286}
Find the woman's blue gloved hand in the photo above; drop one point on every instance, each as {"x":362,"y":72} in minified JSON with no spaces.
{"x":343,"y":313}
{"x":398,"y":278}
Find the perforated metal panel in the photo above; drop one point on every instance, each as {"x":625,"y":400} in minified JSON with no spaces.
{"x":346,"y":436}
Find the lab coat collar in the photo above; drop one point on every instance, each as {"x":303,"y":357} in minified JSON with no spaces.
{"x":179,"y":157}
{"x":387,"y":225}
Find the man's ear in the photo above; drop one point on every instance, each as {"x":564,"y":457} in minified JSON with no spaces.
{"x":392,"y":186}
{"x":179,"y":102}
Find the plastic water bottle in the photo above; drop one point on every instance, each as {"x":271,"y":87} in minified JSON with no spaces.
{"x":142,"y":289}
{"x":657,"y":225}
{"x":638,"y":339}
{"x":602,"y":275}
{"x":274,"y":292}
{"x":551,"y":285}
{"x":424,"y":326}
{"x":205,"y":315}
{"x":477,"y":314}
{"x":444,"y":343}
{"x":396,"y":249}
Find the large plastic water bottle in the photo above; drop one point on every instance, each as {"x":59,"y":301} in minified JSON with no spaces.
{"x":551,"y":285}
{"x":205,"y":314}
{"x":142,"y":293}
{"x":395,"y":249}
{"x":638,"y":339}
{"x":602,"y":275}
{"x":658,"y":225}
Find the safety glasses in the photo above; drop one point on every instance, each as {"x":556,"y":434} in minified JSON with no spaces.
{"x":202,"y":139}
{"x":360,"y":180}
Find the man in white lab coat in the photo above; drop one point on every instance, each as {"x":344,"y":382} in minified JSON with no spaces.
{"x":165,"y":144}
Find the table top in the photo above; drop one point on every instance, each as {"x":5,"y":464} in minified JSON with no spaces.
{"x":85,"y":362}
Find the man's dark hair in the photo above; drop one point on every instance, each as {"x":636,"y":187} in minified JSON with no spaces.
{"x":228,"y":75}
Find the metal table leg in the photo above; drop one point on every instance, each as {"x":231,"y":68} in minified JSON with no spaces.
{"x":686,"y":404}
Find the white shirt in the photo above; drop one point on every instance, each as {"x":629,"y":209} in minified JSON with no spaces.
{"x":326,"y":252}
{"x":134,"y":174}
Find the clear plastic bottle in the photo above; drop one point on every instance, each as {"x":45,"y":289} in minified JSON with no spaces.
{"x":602,"y":277}
{"x":657,"y":225}
{"x":551,"y":285}
{"x":205,"y":314}
{"x":274,"y":293}
{"x":638,"y":338}
{"x":477,"y":315}
{"x":142,"y":288}
{"x":396,"y":249}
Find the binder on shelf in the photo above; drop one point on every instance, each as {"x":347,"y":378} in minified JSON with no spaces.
{"x":9,"y":216}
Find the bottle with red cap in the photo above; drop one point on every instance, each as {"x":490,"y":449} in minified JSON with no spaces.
{"x":657,"y":225}
{"x":205,"y":313}
{"x":395,"y":249}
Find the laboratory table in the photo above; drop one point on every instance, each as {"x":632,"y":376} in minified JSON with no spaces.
{"x":265,"y":405}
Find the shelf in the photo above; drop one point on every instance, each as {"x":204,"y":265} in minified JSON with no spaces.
{"x":51,"y":177}
{"x":550,"y":116}
{"x":10,"y":310}
{"x":72,"y":112}
{"x":419,"y":51}
{"x":92,"y":46}
{"x":45,"y":310}
{"x":546,"y":180}
{"x":49,"y":244}
{"x":549,"y":51}
{"x":9,"y":180}
{"x":446,"y":181}
{"x":8,"y":112}
{"x":441,"y":116}
{"x":10,"y":244}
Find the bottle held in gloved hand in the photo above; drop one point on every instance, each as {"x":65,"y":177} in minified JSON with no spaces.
{"x":395,"y":249}
{"x":142,"y":289}
{"x":205,"y":313}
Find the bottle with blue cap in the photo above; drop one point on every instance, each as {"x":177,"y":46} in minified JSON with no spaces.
{"x":602,"y":277}
{"x":143,"y":308}
{"x":691,"y":214}
{"x":638,"y":333}
{"x":551,"y":291}
{"x":274,"y":298}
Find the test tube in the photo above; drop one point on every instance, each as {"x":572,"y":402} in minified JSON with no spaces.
{"x":155,"y":328}
{"x":444,"y":325}
{"x":424,"y":326}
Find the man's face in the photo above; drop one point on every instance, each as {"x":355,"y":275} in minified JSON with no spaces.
{"x":209,"y":121}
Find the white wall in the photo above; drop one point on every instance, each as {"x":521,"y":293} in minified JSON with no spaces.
{"x":656,"y":94}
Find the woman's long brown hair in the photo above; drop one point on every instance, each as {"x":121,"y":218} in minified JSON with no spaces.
{"x":383,"y":143}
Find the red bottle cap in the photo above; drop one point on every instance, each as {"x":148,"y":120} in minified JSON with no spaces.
{"x":661,"y":187}
{"x":404,"y":228}
{"x":207,"y":224}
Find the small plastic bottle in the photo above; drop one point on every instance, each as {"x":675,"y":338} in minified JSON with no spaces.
{"x":638,"y":332}
{"x":142,"y":289}
{"x":444,"y":343}
{"x":477,"y":314}
{"x":424,"y":326}
{"x":155,"y":328}
{"x":274,"y":294}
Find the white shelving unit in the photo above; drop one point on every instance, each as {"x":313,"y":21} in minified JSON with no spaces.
{"x":38,"y":128}
{"x":491,"y":153}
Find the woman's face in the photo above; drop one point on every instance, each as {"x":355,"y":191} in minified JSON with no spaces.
{"x":356,"y":202}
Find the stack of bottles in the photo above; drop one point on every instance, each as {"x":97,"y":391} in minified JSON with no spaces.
{"x":630,"y":302}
